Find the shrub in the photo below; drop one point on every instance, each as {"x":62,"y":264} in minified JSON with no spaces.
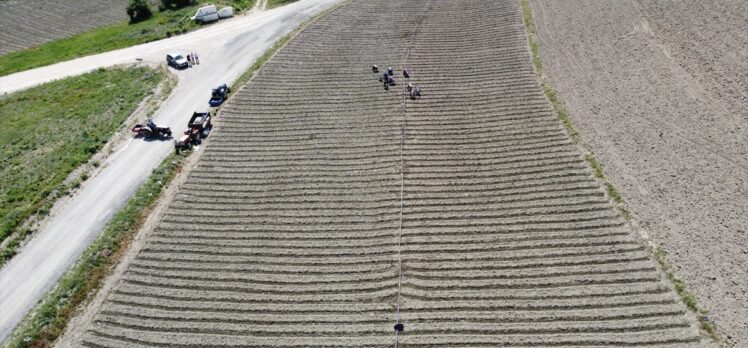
{"x":172,"y":4}
{"x":138,"y":10}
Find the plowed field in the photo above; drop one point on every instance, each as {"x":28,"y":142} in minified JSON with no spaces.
{"x":659,"y":90}
{"x":27,"y":23}
{"x":295,"y":226}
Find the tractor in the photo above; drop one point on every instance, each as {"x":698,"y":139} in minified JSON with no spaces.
{"x":219,"y":95}
{"x":149,"y":129}
{"x":198,"y":128}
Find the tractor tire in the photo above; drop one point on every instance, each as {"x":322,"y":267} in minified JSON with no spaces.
{"x":146,"y":132}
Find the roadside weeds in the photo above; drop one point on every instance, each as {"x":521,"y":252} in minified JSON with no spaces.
{"x":76,"y":159}
{"x":45,"y":323}
{"x":49,"y":319}
{"x":660,"y":254}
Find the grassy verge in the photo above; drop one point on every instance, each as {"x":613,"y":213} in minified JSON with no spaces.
{"x":50,"y":130}
{"x":688,"y":298}
{"x":563,"y":114}
{"x":276,"y":3}
{"x":660,"y":254}
{"x":163,"y":24}
{"x":247,"y":75}
{"x":277,"y":45}
{"x":48,"y":321}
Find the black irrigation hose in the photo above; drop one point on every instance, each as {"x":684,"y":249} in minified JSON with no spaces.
{"x":398,"y":325}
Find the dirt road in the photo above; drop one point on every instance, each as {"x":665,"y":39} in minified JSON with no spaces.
{"x":659,"y":90}
{"x":226,"y":50}
{"x":325,"y":208}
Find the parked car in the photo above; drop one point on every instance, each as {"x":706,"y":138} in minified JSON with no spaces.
{"x":206,"y":14}
{"x":176,"y":60}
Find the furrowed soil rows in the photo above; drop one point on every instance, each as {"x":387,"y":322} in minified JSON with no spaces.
{"x":659,"y":91}
{"x":28,"y":23}
{"x":286,"y":232}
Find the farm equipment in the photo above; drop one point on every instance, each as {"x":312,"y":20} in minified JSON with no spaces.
{"x":219,"y":95}
{"x":149,"y":129}
{"x":198,"y":128}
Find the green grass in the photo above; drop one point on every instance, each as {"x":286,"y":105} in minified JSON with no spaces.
{"x":48,"y":321}
{"x":50,"y":130}
{"x":110,"y":37}
{"x":276,"y":3}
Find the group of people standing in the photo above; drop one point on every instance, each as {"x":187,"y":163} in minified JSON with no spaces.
{"x":388,"y":79}
{"x":193,"y":59}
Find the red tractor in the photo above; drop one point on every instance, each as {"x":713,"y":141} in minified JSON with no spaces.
{"x":149,"y":129}
{"x":199,"y":127}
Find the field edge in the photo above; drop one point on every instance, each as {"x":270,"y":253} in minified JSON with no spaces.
{"x":145,"y":223}
{"x":707,"y":327}
{"x":49,"y":318}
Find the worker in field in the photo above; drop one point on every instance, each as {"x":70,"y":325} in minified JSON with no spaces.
{"x":410,"y":87}
{"x":405,"y":73}
{"x":391,"y":71}
{"x":375,"y":68}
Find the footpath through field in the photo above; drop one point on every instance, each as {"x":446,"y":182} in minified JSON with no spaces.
{"x":226,"y":50}
{"x":287,"y":231}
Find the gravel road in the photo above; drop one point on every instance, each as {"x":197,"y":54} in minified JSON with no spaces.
{"x":659,"y":89}
{"x":226,"y":50}
{"x":294,"y":226}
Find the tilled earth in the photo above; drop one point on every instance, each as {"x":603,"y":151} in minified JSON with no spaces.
{"x":28,"y":23}
{"x":659,"y":89}
{"x":288,"y":231}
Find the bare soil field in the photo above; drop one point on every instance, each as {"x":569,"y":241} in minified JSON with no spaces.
{"x":659,"y":90}
{"x":27,"y":23}
{"x":294,"y":227}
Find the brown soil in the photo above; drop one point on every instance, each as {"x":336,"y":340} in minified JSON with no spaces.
{"x":28,"y":23}
{"x":287,"y":231}
{"x":659,"y":90}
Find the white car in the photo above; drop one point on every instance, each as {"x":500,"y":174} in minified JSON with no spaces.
{"x":177,"y":60}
